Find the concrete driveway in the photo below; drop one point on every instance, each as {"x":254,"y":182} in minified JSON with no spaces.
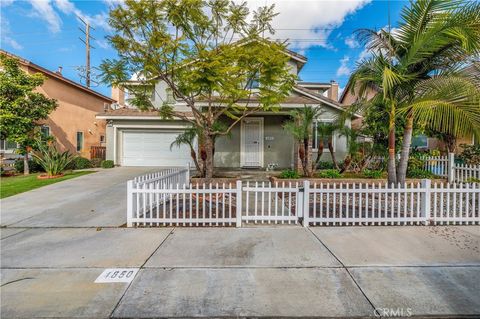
{"x":92,"y":200}
{"x":55,"y":242}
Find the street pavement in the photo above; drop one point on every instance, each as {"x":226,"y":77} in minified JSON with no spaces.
{"x":52,"y":253}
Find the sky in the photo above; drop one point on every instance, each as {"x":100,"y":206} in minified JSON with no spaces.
{"x":47,"y":33}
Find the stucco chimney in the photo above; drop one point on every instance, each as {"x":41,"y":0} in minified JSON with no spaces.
{"x":333,"y":91}
{"x":118,"y":94}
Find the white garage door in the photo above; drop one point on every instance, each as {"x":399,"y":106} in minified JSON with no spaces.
{"x":153,"y":149}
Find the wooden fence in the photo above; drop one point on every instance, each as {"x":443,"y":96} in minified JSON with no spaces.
{"x":98,"y":152}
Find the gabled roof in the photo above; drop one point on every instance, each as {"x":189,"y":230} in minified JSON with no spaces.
{"x":57,"y":76}
{"x":321,"y":98}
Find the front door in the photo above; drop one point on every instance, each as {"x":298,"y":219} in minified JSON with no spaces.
{"x":252,"y":142}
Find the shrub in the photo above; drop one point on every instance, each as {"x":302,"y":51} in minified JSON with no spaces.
{"x":418,"y":173}
{"x":415,"y":163}
{"x":470,"y":154}
{"x":52,"y":161}
{"x":372,"y":173}
{"x":96,"y":162}
{"x":473,"y":180}
{"x":330,"y":173}
{"x":289,"y":173}
{"x":81,"y":163}
{"x":325,"y":165}
{"x":107,"y":164}
{"x":32,"y":165}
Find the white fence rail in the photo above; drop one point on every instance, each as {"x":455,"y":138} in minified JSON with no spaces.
{"x":152,"y":201}
{"x":377,"y":204}
{"x":463,"y":173}
{"x":277,"y":203}
{"x":437,"y":165}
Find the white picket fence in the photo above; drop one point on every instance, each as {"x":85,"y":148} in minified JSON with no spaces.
{"x":437,"y":165}
{"x":379,"y":204}
{"x":154,"y":202}
{"x":466,"y":173}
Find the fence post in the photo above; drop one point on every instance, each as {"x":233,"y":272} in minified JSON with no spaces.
{"x":306,"y":202}
{"x":129,"y":203}
{"x":451,"y":167}
{"x":239,"y":204}
{"x":425,"y":200}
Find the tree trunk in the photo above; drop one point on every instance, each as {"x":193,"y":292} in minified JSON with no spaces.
{"x":208,"y":163}
{"x":308,"y":158}
{"x":26,"y":168}
{"x":347,"y":163}
{"x":320,"y":153}
{"x":392,"y":171}
{"x":193,"y":154}
{"x":332,"y":154}
{"x":451,"y":143}
{"x":405,"y":152}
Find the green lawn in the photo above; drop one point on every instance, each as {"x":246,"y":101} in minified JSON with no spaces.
{"x":10,"y":186}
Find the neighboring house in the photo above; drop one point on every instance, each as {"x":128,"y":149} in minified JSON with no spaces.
{"x":73,"y":123}
{"x":420,"y":142}
{"x":141,"y":138}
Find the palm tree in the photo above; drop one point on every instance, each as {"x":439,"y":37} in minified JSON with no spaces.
{"x":415,"y":70}
{"x":326,"y":131}
{"x":301,"y":127}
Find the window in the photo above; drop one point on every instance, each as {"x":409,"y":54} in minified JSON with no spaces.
{"x":322,"y":129}
{"x":253,"y":83}
{"x":170,"y":97}
{"x":6,"y":145}
{"x":102,"y":138}
{"x":79,"y":141}
{"x":45,"y":130}
{"x":420,"y":141}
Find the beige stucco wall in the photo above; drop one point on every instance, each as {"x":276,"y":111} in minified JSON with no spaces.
{"x":76,"y":112}
{"x":278,"y":144}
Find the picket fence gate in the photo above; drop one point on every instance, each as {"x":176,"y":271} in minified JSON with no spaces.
{"x":165,"y":199}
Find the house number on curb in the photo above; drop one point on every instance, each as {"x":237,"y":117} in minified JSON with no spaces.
{"x":110,"y":275}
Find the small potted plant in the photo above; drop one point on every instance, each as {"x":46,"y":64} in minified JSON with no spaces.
{"x":52,"y":161}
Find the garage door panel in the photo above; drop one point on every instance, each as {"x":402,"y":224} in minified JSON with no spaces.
{"x":153,"y":149}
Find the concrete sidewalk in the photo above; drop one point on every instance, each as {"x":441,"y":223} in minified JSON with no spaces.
{"x":247,"y":272}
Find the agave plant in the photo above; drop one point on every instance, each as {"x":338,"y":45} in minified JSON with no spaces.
{"x":52,"y":161}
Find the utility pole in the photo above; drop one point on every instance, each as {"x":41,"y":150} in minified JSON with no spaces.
{"x":87,"y":47}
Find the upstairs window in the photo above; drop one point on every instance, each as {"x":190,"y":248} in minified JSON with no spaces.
{"x":170,"y":97}
{"x":45,"y":130}
{"x":79,"y":141}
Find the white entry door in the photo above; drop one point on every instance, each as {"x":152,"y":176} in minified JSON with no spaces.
{"x":252,"y":142}
{"x":152,"y":148}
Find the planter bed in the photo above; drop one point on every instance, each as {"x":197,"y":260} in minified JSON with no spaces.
{"x":349,"y":181}
{"x":214,"y":181}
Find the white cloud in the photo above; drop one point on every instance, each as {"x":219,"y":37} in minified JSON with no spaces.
{"x":47,"y":10}
{"x":103,"y":44}
{"x":351,"y":42}
{"x":43,"y":9}
{"x":4,"y":3}
{"x":113,"y":3}
{"x":5,"y":34}
{"x":344,"y":69}
{"x":308,"y":23}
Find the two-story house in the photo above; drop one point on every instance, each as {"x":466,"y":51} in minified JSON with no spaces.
{"x":72,"y":123}
{"x":142,"y":138}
